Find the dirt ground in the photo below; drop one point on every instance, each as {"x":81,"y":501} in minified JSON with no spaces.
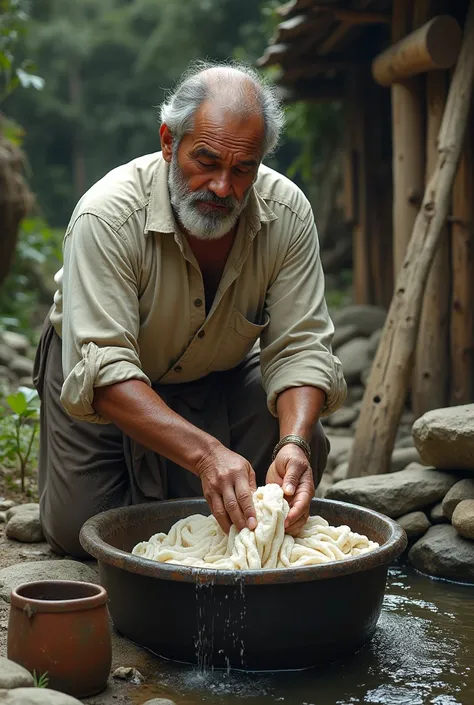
{"x":124,"y":652}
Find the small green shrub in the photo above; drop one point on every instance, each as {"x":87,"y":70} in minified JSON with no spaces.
{"x":41,"y":681}
{"x":18,"y":431}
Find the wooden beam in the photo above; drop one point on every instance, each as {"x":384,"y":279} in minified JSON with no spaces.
{"x":293,"y":6}
{"x":430,"y":378}
{"x":386,"y":390}
{"x":273,"y":55}
{"x":408,"y":146}
{"x":350,"y":16}
{"x":433,"y":46}
{"x":462,"y":248}
{"x":313,"y":91}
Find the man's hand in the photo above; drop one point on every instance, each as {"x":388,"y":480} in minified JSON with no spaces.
{"x":228,"y":482}
{"x":292,"y":471}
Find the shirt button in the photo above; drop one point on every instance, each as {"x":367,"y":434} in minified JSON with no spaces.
{"x":178,"y":368}
{"x":198,"y":302}
{"x":201,"y":334}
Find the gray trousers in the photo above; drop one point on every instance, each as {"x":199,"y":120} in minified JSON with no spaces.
{"x":86,"y":468}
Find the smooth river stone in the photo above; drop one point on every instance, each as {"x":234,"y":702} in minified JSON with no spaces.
{"x":12,"y":675}
{"x":365,"y":318}
{"x":36,"y":696}
{"x":445,"y":437}
{"x":463,"y":518}
{"x":29,"y":571}
{"x":416,"y":524}
{"x":464,"y":489}
{"x":397,"y":493}
{"x":442,"y":553}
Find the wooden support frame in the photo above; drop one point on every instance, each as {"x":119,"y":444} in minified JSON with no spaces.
{"x":408,"y":146}
{"x":431,"y":372}
{"x":435,"y":45}
{"x":462,"y":301}
{"x":386,"y":390}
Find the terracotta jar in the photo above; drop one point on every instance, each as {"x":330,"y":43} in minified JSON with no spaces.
{"x":61,"y":628}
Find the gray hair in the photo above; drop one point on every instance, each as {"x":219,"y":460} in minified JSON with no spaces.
{"x":199,"y":84}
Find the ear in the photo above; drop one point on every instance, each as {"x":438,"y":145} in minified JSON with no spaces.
{"x":166,"y":142}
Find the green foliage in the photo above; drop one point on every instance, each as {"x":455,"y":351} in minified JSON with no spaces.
{"x":40,"y":681}
{"x":38,"y":257}
{"x":13,"y":25}
{"x":18,"y":431}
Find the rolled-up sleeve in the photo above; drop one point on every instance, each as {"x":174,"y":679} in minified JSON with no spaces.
{"x":296,"y":344}
{"x":100,"y":314}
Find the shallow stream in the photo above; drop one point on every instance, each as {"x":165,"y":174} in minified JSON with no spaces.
{"x":422,"y":654}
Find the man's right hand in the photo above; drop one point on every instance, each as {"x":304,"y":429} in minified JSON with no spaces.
{"x":228,"y":481}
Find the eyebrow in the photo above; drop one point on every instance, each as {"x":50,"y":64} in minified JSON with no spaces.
{"x":204,"y":152}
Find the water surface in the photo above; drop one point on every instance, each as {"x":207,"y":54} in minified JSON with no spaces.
{"x":421,"y":654}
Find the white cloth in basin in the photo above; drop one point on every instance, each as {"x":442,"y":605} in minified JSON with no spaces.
{"x":199,"y":541}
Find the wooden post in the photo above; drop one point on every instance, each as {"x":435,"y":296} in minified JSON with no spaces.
{"x":408,"y":146}
{"x":356,"y":140}
{"x":462,"y":310}
{"x":430,"y":378}
{"x":435,"y":45}
{"x":386,"y":390}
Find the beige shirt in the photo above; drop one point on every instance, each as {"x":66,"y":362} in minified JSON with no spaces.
{"x":130,"y":302}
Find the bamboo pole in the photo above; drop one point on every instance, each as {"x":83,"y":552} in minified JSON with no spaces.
{"x":386,"y":390}
{"x":408,"y":146}
{"x":462,"y":247}
{"x":430,"y":378}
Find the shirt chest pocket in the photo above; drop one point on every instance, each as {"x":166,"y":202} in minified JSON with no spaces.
{"x":236,"y":341}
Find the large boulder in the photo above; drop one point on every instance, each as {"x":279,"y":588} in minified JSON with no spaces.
{"x":30,"y":571}
{"x":16,"y":341}
{"x":366,"y":319}
{"x":354,"y":359}
{"x":394,"y":494}
{"x":464,"y":489}
{"x":442,"y":553}
{"x":445,"y":437}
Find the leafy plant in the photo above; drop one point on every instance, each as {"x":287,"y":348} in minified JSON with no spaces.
{"x":18,"y":430}
{"x":13,"y":22}
{"x":41,"y":681}
{"x":38,"y":257}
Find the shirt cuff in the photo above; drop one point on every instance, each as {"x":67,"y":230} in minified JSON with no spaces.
{"x":324,"y":371}
{"x":98,"y":367}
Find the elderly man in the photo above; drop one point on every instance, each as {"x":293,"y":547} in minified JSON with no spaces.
{"x":188,"y":351}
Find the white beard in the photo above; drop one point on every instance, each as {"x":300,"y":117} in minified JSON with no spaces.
{"x":210,"y":225}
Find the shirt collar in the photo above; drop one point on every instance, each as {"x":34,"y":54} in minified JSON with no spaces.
{"x":160,"y":217}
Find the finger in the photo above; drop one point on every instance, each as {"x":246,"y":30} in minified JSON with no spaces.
{"x":295,"y":469}
{"x":217,"y":508}
{"x":273,"y":477}
{"x":298,"y":510}
{"x":232,"y":507}
{"x":296,"y":528}
{"x":245,"y":500}
{"x":252,"y":480}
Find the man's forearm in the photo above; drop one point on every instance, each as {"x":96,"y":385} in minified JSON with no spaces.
{"x":299,"y":409}
{"x":141,"y":414}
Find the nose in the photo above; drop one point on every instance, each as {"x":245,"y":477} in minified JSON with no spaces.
{"x":221,"y":184}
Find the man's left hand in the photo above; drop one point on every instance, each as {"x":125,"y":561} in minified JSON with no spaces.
{"x":292,"y":471}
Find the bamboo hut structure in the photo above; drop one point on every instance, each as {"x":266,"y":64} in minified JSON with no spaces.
{"x":403,"y":71}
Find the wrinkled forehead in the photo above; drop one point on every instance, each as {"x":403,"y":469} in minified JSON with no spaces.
{"x":225,"y":128}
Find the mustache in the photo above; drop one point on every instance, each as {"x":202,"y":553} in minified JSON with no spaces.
{"x":210,"y":197}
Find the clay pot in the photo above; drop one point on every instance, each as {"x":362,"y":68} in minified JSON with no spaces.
{"x":61,"y":628}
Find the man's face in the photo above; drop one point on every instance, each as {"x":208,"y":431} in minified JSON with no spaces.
{"x":213,"y":169}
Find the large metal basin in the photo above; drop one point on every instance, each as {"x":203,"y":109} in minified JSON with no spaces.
{"x":253,"y":620}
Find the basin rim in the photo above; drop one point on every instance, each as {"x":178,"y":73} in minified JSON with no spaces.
{"x":91,"y":541}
